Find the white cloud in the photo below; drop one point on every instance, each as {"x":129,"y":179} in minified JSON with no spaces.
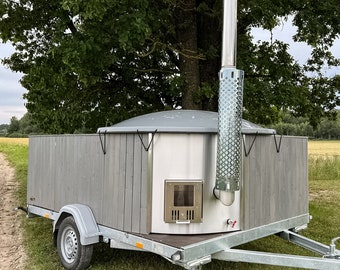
{"x":11,"y":91}
{"x":7,"y":112}
{"x":6,"y":49}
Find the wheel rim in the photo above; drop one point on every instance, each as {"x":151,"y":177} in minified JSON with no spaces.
{"x":69,"y":245}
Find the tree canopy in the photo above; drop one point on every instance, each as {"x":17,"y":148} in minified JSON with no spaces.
{"x":96,"y":62}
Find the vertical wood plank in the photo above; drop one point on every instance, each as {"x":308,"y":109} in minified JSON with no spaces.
{"x":115,"y":174}
{"x":121,"y":182}
{"x":146,"y":186}
{"x":129,"y":177}
{"x":137,"y":179}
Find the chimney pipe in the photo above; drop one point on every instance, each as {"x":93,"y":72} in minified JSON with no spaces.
{"x":228,"y":168}
{"x":229,"y":37}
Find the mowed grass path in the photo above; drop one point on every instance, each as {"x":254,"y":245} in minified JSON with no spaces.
{"x":324,"y":205}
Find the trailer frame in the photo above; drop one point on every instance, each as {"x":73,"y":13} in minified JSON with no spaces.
{"x":193,"y":251}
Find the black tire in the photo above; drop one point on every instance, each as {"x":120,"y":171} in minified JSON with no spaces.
{"x":73,"y":255}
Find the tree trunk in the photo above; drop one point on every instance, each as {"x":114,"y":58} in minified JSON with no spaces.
{"x":189,"y":63}
{"x":209,"y":34}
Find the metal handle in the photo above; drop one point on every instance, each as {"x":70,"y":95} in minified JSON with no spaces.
{"x":182,"y":221}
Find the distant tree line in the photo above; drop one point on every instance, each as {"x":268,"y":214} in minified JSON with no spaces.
{"x":328,"y":129}
{"x":288,"y":124}
{"x":19,"y":127}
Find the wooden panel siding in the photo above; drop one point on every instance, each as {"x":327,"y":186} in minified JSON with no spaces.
{"x":274,"y":185}
{"x":40,"y":192}
{"x":67,"y":169}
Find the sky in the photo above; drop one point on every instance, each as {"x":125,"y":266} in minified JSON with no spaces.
{"x":299,"y":50}
{"x":11,"y":91}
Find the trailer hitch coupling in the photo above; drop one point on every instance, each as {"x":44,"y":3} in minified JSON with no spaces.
{"x":332,"y":250}
{"x":24,"y":209}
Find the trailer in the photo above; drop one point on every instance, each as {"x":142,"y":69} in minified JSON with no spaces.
{"x":188,"y":185}
{"x":148,"y":183}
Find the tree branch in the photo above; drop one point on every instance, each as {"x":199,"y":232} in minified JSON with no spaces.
{"x":186,"y":53}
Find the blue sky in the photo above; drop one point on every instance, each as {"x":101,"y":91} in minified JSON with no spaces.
{"x":12,"y":102}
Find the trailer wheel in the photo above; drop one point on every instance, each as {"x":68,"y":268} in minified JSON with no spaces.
{"x":73,"y":255}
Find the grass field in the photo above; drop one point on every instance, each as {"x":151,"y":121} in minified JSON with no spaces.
{"x":324,"y":189}
{"x":22,"y":141}
{"x":323,"y":148}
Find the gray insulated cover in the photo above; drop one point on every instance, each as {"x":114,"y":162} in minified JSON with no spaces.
{"x":179,"y":121}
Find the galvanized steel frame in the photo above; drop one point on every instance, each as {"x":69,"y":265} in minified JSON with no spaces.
{"x":230,"y":240}
{"x":306,"y":262}
{"x":220,"y":247}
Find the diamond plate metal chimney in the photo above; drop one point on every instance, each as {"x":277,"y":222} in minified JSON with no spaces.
{"x":228,"y":171}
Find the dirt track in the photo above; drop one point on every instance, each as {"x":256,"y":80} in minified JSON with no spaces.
{"x":12,"y":253}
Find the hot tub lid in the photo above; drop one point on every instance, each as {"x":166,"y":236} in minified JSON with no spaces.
{"x":179,"y":121}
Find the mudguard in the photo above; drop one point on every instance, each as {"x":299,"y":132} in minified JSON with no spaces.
{"x":85,"y":220}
